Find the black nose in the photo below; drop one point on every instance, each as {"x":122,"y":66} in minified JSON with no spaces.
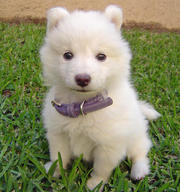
{"x":82,"y":79}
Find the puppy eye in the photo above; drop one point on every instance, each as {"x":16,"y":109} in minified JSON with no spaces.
{"x":101,"y":57}
{"x":68,"y":55}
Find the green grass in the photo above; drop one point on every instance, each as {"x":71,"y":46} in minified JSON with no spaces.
{"x":23,"y":146}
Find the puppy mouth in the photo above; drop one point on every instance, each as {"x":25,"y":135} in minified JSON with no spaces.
{"x":83,"y":90}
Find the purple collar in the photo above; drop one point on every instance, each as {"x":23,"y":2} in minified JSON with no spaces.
{"x":75,"y":109}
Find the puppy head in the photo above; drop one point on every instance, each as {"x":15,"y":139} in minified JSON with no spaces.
{"x":84,"y":51}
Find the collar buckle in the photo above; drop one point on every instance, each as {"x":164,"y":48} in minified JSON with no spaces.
{"x":53,"y":102}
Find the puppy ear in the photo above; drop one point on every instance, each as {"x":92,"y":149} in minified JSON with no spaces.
{"x":114,"y":14}
{"x":54,"y":15}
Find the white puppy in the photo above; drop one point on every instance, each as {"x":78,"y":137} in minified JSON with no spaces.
{"x":83,"y":55}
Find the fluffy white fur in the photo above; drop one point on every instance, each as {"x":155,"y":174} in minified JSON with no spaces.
{"x":109,"y":135}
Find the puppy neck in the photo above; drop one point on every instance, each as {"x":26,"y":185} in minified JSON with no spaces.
{"x":66,"y":95}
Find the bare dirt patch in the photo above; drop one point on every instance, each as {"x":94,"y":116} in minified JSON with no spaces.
{"x":149,"y":14}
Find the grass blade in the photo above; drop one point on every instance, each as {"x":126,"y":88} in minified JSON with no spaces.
{"x":3,"y":151}
{"x":62,"y":172}
{"x":73,"y":175}
{"x":37,"y":164}
{"x":6,"y":167}
{"x":52,"y":168}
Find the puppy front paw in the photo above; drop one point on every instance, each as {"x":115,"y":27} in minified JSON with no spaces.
{"x":94,"y":181}
{"x":47,"y":167}
{"x":139,"y":169}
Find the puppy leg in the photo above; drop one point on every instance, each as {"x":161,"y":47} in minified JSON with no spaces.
{"x":58,"y":143}
{"x":138,"y":152}
{"x":105,"y":160}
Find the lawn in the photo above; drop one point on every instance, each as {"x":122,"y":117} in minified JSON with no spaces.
{"x":23,"y":146}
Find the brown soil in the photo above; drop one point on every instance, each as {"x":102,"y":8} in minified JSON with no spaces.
{"x":150,"y":14}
